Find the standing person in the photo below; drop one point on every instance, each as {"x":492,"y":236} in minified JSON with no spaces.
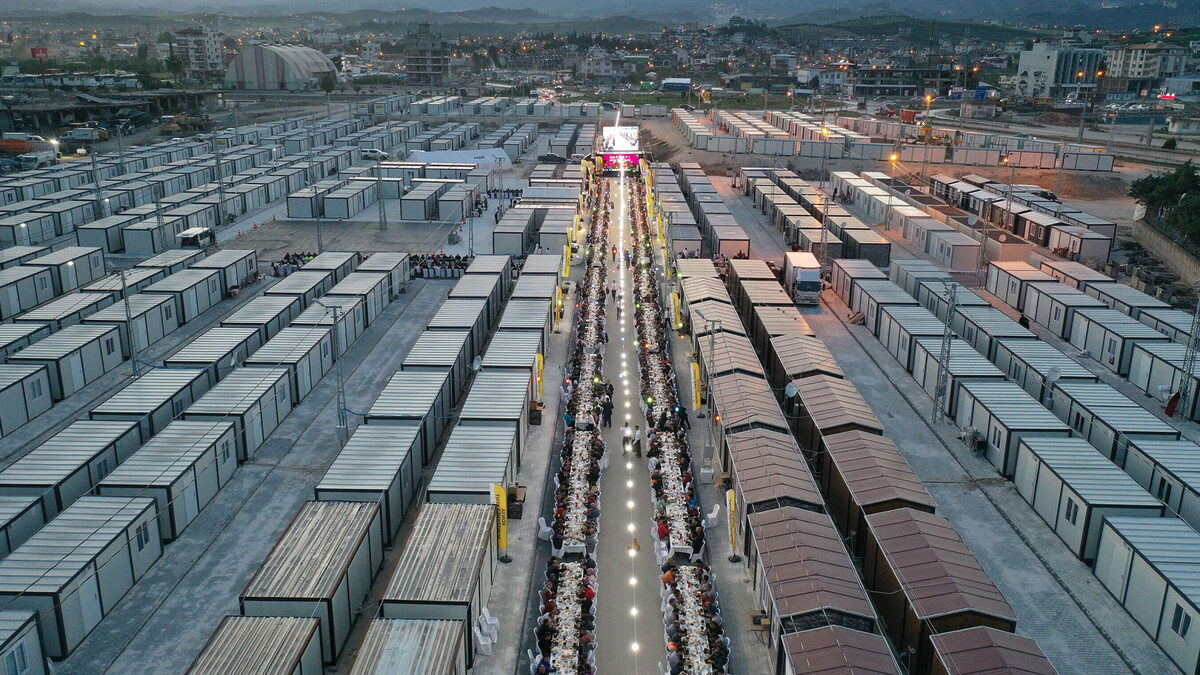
{"x":637,"y":440}
{"x":604,"y":335}
{"x":614,"y":253}
{"x":626,"y":438}
{"x":609,"y":389}
{"x":682,"y":419}
{"x":606,"y":407}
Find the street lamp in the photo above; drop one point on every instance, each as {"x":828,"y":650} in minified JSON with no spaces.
{"x":888,"y":218}
{"x":928,"y":133}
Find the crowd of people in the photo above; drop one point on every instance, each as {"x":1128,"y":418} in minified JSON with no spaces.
{"x":440,"y":265}
{"x":564,"y":632}
{"x":291,"y":262}
{"x":692,"y":624}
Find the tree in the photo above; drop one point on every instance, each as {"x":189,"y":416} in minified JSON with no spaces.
{"x":1168,"y":144}
{"x":1172,"y":199}
{"x":328,"y":81}
{"x":175,"y":65}
{"x":143,"y":52}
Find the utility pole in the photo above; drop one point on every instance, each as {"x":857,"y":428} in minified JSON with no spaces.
{"x":220,"y":184}
{"x":943,"y":377}
{"x":120,"y":149}
{"x":383,"y":224}
{"x":96,"y":185}
{"x":158,"y":212}
{"x":1189,"y":358}
{"x":133,"y":355}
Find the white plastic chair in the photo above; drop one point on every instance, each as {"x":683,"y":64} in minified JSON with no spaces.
{"x":483,"y":645}
{"x":545,"y":532}
{"x":489,"y":623}
{"x":711,"y":519}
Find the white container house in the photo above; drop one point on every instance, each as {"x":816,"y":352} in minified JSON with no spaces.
{"x":174,"y":259}
{"x":305,"y":351}
{"x":306,"y":285}
{"x":79,"y":566}
{"x":136,"y":280}
{"x":1035,"y":366}
{"x":67,"y":310}
{"x":900,"y":326}
{"x":1007,"y":280}
{"x":193,"y":290}
{"x":1001,"y":413}
{"x":16,"y":336}
{"x":476,"y":458}
{"x":1125,"y":299}
{"x":434,"y":581}
{"x":871,"y":296}
{"x":183,"y":468}
{"x":104,"y":233}
{"x":1170,"y":471}
{"x":150,"y":318}
{"x":24,"y":394}
{"x":439,"y":351}
{"x":500,"y":397}
{"x":984,"y":327}
{"x":267,"y":313}
{"x":1074,"y":274}
{"x":322,"y":567}
{"x":935,"y":296}
{"x":338,"y":263}
{"x":1109,"y":336}
{"x":1150,"y":566}
{"x":154,"y":399}
{"x":1053,"y":305}
{"x":966,"y":365}
{"x":371,"y":287}
{"x":908,"y":273}
{"x":350,"y":319}
{"x":23,"y":288}
{"x":218,"y":351}
{"x":237,"y":266}
{"x":11,"y":256}
{"x":1106,"y":418}
{"x":415,"y":397}
{"x":72,"y":267}
{"x":1157,"y":369}
{"x":74,"y":357}
{"x":379,"y":464}
{"x":20,"y":517}
{"x":413,"y":646}
{"x":847,"y":272}
{"x":1074,"y":488}
{"x":70,"y":463}
{"x":394,"y":264}
{"x":21,"y":642}
{"x":261,"y":641}
{"x":255,"y":399}
{"x":1174,"y":323}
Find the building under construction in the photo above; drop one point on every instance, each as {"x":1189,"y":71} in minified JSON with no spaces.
{"x":427,"y":57}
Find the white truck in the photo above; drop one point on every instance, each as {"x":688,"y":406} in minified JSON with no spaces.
{"x":802,"y":277}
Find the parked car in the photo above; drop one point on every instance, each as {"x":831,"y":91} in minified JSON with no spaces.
{"x":372,"y":153}
{"x":552,"y":158}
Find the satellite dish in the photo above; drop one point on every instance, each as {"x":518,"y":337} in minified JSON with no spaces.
{"x":972,"y":219}
{"x":790,"y":389}
{"x":477,"y":363}
{"x":908,"y":192}
{"x":1052,"y":375}
{"x":1002,"y":238}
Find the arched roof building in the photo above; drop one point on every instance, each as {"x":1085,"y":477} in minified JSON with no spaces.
{"x":277,"y":67}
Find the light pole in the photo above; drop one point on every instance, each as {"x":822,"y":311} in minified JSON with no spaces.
{"x":887,"y":220}
{"x":342,"y":426}
{"x":928,"y":133}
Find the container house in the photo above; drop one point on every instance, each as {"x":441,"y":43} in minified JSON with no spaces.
{"x":322,"y":567}
{"x":793,"y":357}
{"x":984,"y":327}
{"x":767,"y":471}
{"x":20,"y":517}
{"x":306,"y":285}
{"x":1074,"y":274}
{"x":965,"y":365}
{"x":470,"y":316}
{"x":74,"y":357}
{"x":194,"y":291}
{"x":286,"y":644}
{"x":413,"y":646}
{"x":72,"y":267}
{"x":848,"y":272}
{"x":238,"y":267}
{"x":481,"y":286}
{"x":900,"y":326}
{"x":1106,"y":418}
{"x":439,"y":351}
{"x":415,"y":397}
{"x":824,"y":406}
{"x":499,"y":397}
{"x":67,"y":310}
{"x":954,"y":251}
{"x":79,"y":566}
{"x":391,"y":263}
{"x":804,"y":651}
{"x":493,"y":265}
{"x":104,"y":233}
{"x":935,"y":296}
{"x":476,"y":458}
{"x":16,"y":336}
{"x":144,"y":319}
{"x":267,"y":313}
{"x":1008,"y":279}
{"x":24,"y":394}
{"x":1035,"y":366}
{"x":135,"y":281}
{"x":306,"y":352}
{"x":338,"y":263}
{"x":255,"y":399}
{"x":70,"y":463}
{"x":174,"y":259}
{"x":1169,"y":470}
{"x":998,"y":415}
{"x":1109,"y":336}
{"x":23,"y":288}
{"x":1053,"y":305}
{"x":154,"y":399}
{"x":1174,"y":323}
{"x":183,"y":467}
{"x":529,"y":316}
{"x":219,"y":351}
{"x":371,"y":287}
{"x":21,"y":642}
{"x":344,"y":315}
{"x":1006,"y":652}
{"x":942,"y":589}
{"x":870,"y":297}
{"x":379,"y":464}
{"x":433,"y":581}
{"x":1125,"y":299}
{"x":908,"y":273}
{"x":1074,"y":488}
{"x":12,"y":256}
{"x":1150,"y":566}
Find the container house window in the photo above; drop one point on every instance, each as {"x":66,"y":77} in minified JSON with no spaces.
{"x":1181,"y":622}
{"x":43,"y":282}
{"x":996,"y":437}
{"x":225,"y":445}
{"x":283,"y":395}
{"x":15,"y":662}
{"x":102,"y":468}
{"x":143,"y":535}
{"x":96,"y":260}
{"x":212,"y":285}
{"x":35,"y":389}
{"x":110,"y":345}
{"x":1057,"y":313}
{"x":168,"y":311}
{"x":1163,"y":493}
{"x":1072,"y":514}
